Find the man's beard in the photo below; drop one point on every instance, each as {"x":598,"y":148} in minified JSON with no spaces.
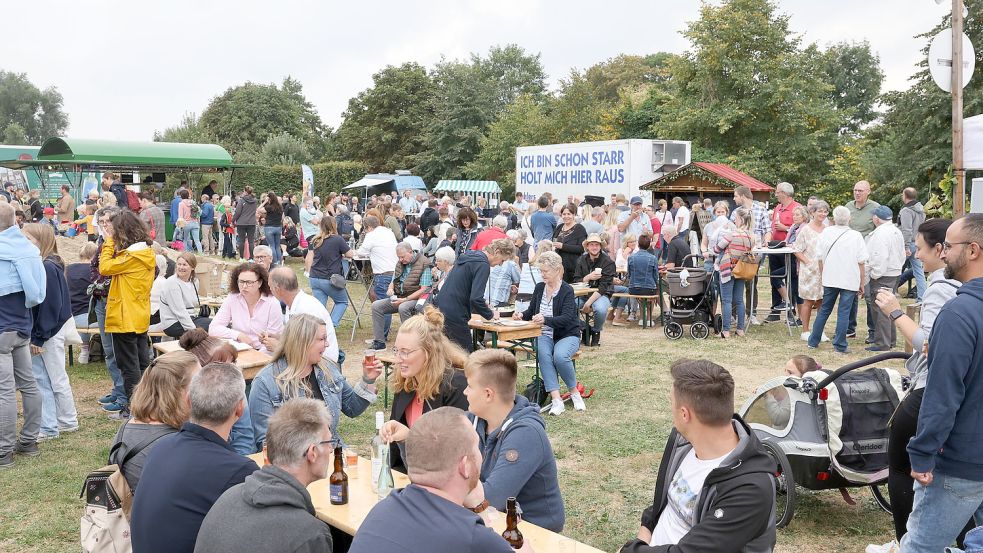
{"x":953,"y":266}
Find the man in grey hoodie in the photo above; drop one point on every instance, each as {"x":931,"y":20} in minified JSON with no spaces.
{"x":244,"y":220}
{"x":910,"y":217}
{"x":272,"y":509}
{"x":517,"y":458}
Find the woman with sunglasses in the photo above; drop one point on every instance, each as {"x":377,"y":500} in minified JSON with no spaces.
{"x":250,"y":310}
{"x":299,"y":369}
{"x":428,"y":374}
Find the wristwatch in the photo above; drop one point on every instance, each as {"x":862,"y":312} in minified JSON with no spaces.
{"x":896,"y":314}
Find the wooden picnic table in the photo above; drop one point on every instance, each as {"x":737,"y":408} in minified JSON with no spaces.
{"x":581,"y":292}
{"x":510,"y":331}
{"x":249,"y":361}
{"x":362,"y":498}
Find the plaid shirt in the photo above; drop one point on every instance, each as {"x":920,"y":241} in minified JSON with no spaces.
{"x":760,"y":222}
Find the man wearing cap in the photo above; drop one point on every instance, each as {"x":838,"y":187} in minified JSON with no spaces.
{"x":48,"y":218}
{"x":885,"y":247}
{"x":634,"y":221}
{"x":595,"y":269}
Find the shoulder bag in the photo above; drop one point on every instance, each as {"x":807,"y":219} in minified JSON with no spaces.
{"x":746,"y":267}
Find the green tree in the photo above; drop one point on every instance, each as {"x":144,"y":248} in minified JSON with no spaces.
{"x":912,"y":144}
{"x":189,"y":131}
{"x":14,"y":134}
{"x":384,"y":126}
{"x":510,"y":72}
{"x":284,"y":149}
{"x":854,"y":70}
{"x":248,"y":114}
{"x":521,"y":124}
{"x":37,"y":112}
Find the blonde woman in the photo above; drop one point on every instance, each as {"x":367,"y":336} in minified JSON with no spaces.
{"x":427,"y":375}
{"x":611,"y":224}
{"x":299,"y":369}
{"x":629,"y":245}
{"x":180,"y":305}
{"x":58,"y":413}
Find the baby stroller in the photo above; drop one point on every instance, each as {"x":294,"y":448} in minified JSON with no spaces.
{"x":692,"y":300}
{"x":828,"y":430}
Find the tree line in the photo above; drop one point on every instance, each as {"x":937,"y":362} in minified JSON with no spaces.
{"x":748,"y":91}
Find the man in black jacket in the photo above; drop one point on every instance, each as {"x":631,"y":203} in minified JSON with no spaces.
{"x":715,"y":490}
{"x":429,"y":218}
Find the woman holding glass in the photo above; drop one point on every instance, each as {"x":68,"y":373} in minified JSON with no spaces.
{"x":250,"y":311}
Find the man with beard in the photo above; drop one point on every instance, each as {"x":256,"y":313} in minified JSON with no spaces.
{"x":946,"y":453}
{"x":444,"y":465}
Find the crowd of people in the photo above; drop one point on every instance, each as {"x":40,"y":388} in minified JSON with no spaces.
{"x":457,"y":427}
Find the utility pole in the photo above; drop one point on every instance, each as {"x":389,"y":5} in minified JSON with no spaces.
{"x":959,"y":173}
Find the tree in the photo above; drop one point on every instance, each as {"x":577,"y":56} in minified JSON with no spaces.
{"x":384,"y":125}
{"x":14,"y":134}
{"x":912,"y":144}
{"x":284,"y":149}
{"x":747,"y":90}
{"x":511,"y":73}
{"x":38,"y":113}
{"x":248,"y":114}
{"x":521,"y":124}
{"x":189,"y":130}
{"x":855,"y":73}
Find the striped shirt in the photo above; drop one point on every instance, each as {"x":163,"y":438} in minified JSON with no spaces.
{"x":760,"y":222}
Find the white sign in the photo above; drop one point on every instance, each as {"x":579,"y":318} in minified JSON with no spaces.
{"x":940,"y":60}
{"x":588,"y":165}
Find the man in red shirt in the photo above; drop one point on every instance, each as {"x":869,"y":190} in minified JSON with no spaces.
{"x":781,"y":221}
{"x":494,"y":232}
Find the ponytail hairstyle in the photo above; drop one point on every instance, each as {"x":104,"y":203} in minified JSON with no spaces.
{"x":442,"y":355}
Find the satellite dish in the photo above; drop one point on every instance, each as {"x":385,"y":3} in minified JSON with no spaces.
{"x":940,"y":60}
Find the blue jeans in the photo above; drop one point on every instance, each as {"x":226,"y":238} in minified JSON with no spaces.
{"x":119,"y":394}
{"x":555,"y":361}
{"x":322,"y":289}
{"x":941,"y":510}
{"x":619,"y":303}
{"x":848,"y":299}
{"x":917,"y":270}
{"x":600,"y":308}
{"x":380,"y":285}
{"x":57,"y":400}
{"x":732,"y":294}
{"x":192,"y":236}
{"x":273,"y":237}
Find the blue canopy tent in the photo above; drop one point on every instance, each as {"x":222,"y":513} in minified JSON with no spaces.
{"x":384,"y":182}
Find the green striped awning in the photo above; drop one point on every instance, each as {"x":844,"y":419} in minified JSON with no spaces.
{"x":469,"y":186}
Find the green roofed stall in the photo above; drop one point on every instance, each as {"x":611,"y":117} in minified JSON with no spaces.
{"x":92,"y":154}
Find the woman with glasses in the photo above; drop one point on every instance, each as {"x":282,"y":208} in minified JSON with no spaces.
{"x":299,"y":369}
{"x":428,"y":374}
{"x":250,"y":310}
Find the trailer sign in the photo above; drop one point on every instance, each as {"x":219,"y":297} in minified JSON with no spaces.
{"x":603,"y":167}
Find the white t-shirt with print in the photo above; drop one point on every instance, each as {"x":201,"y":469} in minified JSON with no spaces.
{"x":684,"y":491}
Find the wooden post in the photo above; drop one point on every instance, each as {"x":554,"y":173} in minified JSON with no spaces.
{"x":959,"y":173}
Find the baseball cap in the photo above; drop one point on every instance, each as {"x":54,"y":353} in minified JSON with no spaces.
{"x":883,"y":213}
{"x":636,"y":200}
{"x":49,"y":211}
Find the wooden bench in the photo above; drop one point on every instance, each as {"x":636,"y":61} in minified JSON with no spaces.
{"x":92,"y":331}
{"x":644,"y":300}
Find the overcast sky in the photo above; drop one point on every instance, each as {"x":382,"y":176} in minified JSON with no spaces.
{"x":128,"y":68}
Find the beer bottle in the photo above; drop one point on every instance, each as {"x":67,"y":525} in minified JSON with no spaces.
{"x":338,"y":481}
{"x":512,"y":533}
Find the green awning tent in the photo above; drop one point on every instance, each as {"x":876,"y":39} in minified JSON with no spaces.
{"x":98,"y":155}
{"x":486,"y":188}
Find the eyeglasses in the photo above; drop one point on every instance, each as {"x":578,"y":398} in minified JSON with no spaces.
{"x":948,"y":245}
{"x":330,"y":442}
{"x":404,"y":353}
{"x":247,"y":282}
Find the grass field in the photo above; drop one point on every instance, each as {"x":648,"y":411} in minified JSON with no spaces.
{"x":607,"y":456}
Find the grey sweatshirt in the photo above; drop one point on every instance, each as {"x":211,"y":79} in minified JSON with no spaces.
{"x":912,"y":215}
{"x":178,"y":303}
{"x":269,"y":512}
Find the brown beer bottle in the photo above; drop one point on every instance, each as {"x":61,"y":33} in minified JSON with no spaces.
{"x":338,"y":481}
{"x":512,"y":533}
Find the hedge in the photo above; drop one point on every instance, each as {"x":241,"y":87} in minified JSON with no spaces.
{"x":328,"y":177}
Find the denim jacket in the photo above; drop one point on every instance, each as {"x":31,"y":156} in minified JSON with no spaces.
{"x":265,"y":396}
{"x":643,"y":270}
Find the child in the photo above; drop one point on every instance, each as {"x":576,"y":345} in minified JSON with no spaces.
{"x":48,"y":218}
{"x":87,"y":211}
{"x":777,"y":403}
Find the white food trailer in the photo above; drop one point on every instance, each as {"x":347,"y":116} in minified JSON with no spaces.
{"x":596,"y":168}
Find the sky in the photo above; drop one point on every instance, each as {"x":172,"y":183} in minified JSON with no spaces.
{"x":128,"y":68}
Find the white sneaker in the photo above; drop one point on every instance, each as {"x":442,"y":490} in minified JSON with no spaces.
{"x":889,"y":547}
{"x":755,"y":321}
{"x":84,"y":355}
{"x":557,"y":408}
{"x":578,"y":402}
{"x":824,"y":338}
{"x":805,"y":335}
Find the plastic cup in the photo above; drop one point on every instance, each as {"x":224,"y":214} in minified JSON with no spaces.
{"x":597,"y":271}
{"x":351,"y":463}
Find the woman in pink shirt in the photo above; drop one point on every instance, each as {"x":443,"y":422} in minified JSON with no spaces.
{"x":250,"y":311}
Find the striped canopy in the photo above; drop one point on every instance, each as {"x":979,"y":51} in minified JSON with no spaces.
{"x":469,"y":186}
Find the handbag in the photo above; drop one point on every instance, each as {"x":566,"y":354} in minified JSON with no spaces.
{"x":177,"y":245}
{"x":71,"y":333}
{"x":338,"y":281}
{"x":535,"y":391}
{"x":746,"y":267}
{"x":204,"y":312}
